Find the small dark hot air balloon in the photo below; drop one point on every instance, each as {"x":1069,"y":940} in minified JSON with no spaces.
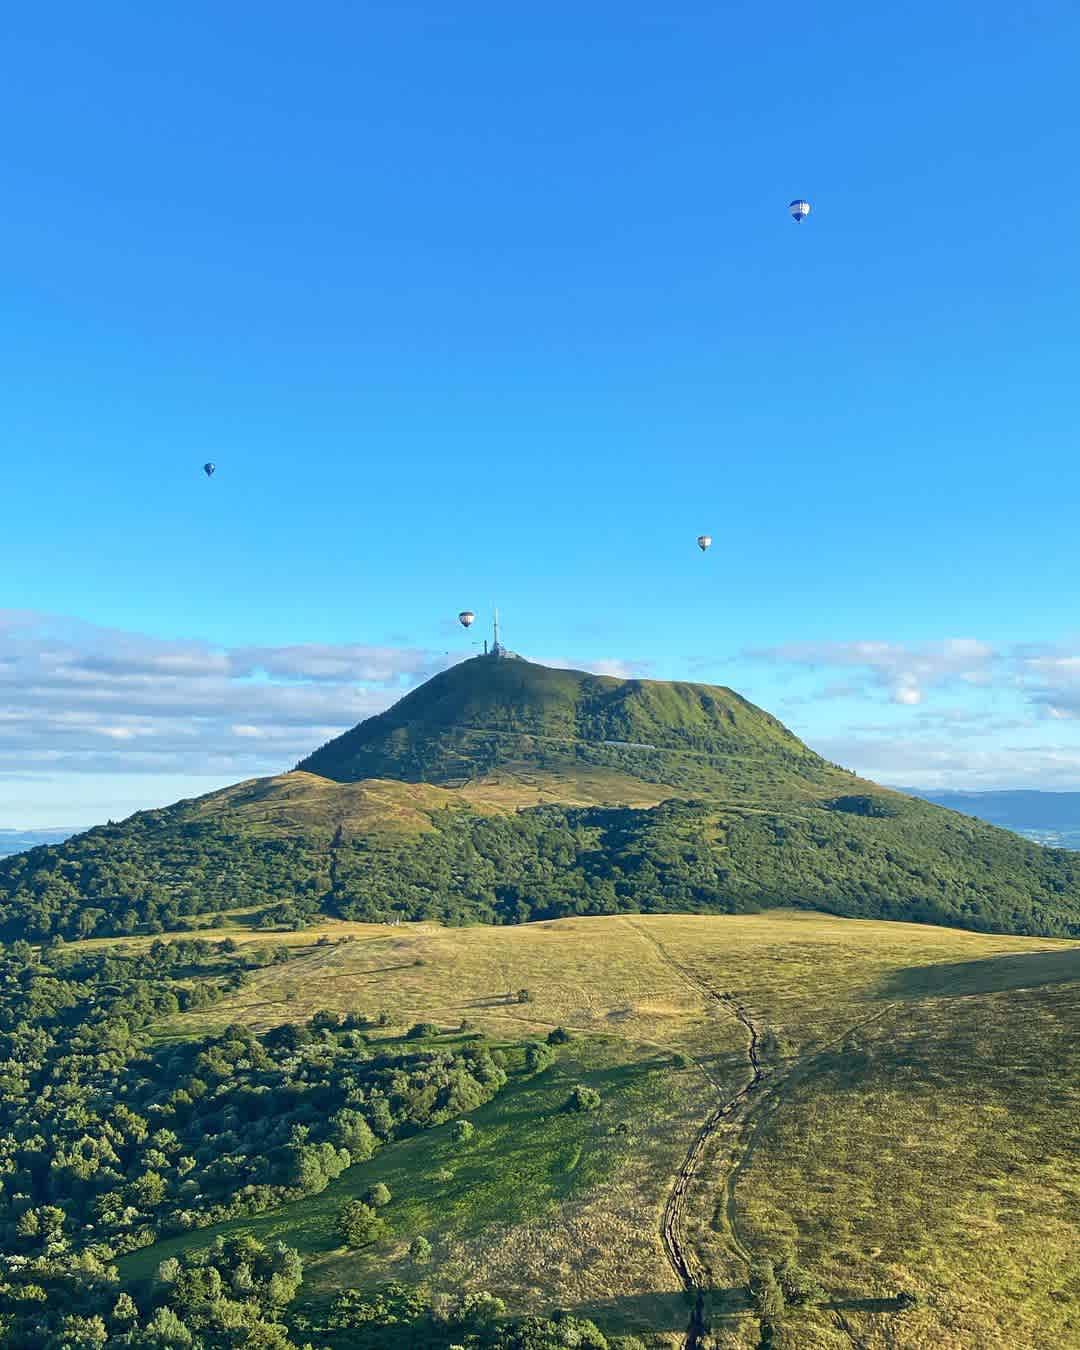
{"x":208,"y":469}
{"x":704,"y":541}
{"x":466,"y":618}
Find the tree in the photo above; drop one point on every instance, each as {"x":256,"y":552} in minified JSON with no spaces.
{"x":420,"y":1249}
{"x":541,"y":1333}
{"x":797,"y":1284}
{"x":583,"y":1098}
{"x":558,"y":1036}
{"x":243,"y":1282}
{"x":538,"y":1056}
{"x":168,"y":1271}
{"x":165,"y":1330}
{"x":765,"y":1292}
{"x":83,"y":1333}
{"x":462,"y":1131}
{"x":524,"y":995}
{"x":358,"y":1224}
{"x":124,"y":1311}
{"x":150,"y":1189}
{"x":421,"y":1031}
{"x":378,"y":1195}
{"x":354,"y":1133}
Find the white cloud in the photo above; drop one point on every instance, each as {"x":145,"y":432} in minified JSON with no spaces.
{"x":933,"y":762}
{"x":620,"y":669}
{"x":905,"y":671}
{"x":89,"y":700}
{"x":995,"y":692}
{"x":85,"y":704}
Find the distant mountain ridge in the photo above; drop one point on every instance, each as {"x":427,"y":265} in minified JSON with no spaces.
{"x":18,"y":841}
{"x":1012,"y":808}
{"x":1048,"y":818}
{"x":502,"y":791}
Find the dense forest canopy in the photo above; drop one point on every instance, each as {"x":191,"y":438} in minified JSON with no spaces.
{"x":111,"y":1140}
{"x":850,"y":855}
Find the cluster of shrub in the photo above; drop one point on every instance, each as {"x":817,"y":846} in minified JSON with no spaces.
{"x":395,"y":1317}
{"x":910,"y":862}
{"x":241,"y":1293}
{"x":108,"y":1142}
{"x":153,"y":873}
{"x":235,"y":1294}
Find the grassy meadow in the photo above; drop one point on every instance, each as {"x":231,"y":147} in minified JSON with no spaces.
{"x":915,"y":1131}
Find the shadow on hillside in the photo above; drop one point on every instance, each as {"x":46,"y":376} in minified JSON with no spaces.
{"x":381,"y":970}
{"x":655,"y":1312}
{"x":867,"y":1305}
{"x":509,"y":1000}
{"x":660,"y":1312}
{"x":991,"y":974}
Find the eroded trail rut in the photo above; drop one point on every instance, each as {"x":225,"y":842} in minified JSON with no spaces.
{"x":735,"y":1111}
{"x":728,"y":1111}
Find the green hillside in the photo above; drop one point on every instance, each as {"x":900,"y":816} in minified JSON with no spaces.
{"x":686,"y":1132}
{"x":487,"y":714}
{"x":502,"y":791}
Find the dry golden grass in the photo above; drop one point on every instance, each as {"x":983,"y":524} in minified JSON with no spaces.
{"x":910,"y":1133}
{"x":806,"y":975}
{"x":305,"y":805}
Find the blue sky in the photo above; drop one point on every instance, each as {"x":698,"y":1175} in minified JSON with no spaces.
{"x":482,"y":303}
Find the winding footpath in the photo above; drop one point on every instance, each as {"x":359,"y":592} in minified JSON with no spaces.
{"x":733,"y":1111}
{"x":728,"y":1112}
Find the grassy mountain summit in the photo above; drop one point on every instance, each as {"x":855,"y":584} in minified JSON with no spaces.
{"x":502,"y":791}
{"x":488,"y":714}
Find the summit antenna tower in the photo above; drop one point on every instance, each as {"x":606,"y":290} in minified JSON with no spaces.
{"x":496,"y":646}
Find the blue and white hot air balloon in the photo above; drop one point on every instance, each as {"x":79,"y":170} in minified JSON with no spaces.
{"x":208,"y":469}
{"x":799,"y":210}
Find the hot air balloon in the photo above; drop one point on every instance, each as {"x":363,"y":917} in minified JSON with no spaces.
{"x":466,"y":618}
{"x":208,"y":469}
{"x":799,"y":210}
{"x":704,"y":541}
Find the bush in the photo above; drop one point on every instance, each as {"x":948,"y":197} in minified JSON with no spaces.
{"x":421,"y":1031}
{"x":462,"y":1131}
{"x":420,"y":1249}
{"x":583,"y":1098}
{"x":378,"y":1195}
{"x":358,"y":1225}
{"x":765,"y":1292}
{"x":559,"y":1036}
{"x":538,"y":1056}
{"x":797,"y":1284}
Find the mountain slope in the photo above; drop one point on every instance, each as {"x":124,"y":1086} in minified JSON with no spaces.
{"x":502,"y":791}
{"x":487,"y":715}
{"x":912,"y":1142}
